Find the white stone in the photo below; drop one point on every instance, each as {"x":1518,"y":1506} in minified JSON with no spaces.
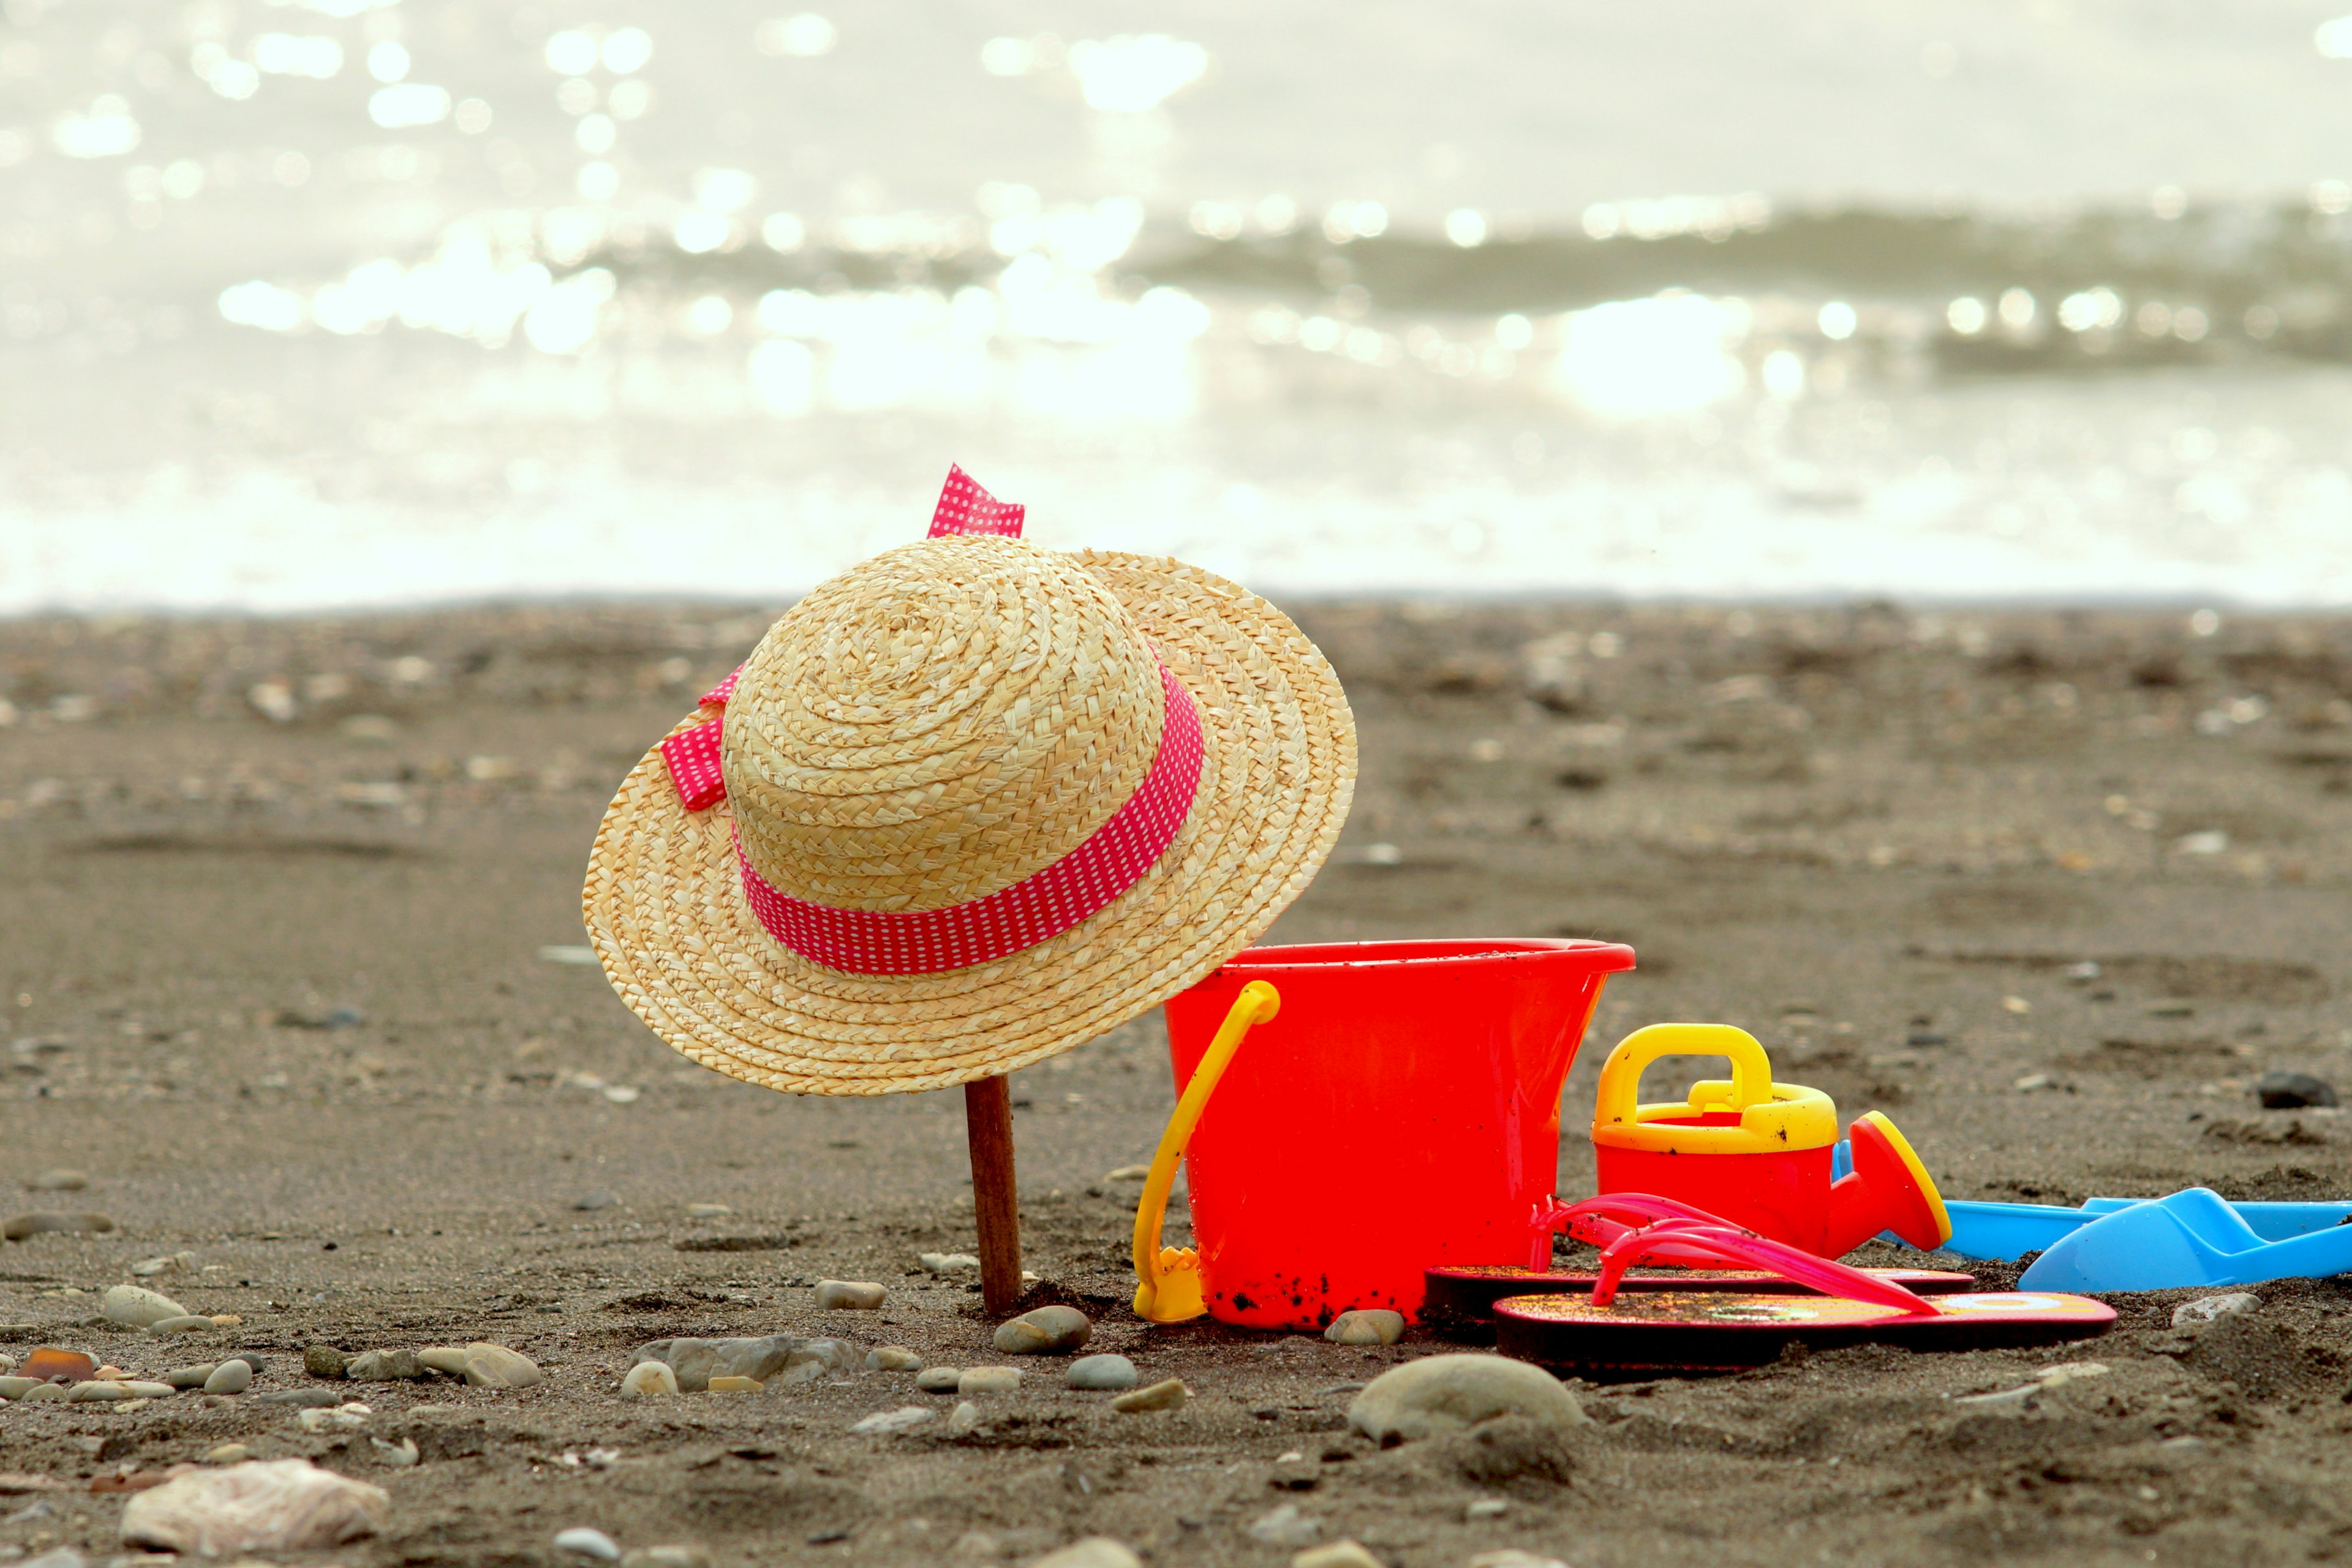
{"x":938,"y":1379}
{"x":647,"y":1378}
{"x":1512,"y":1557}
{"x":948,"y":1262}
{"x":229,"y":1377}
{"x":585,"y":1542}
{"x":1095,"y":1552}
{"x":887,"y":1421}
{"x":963,"y":1418}
{"x":1285,"y":1526}
{"x":286,"y":1505}
{"x":1339,"y":1555}
{"x":138,"y":1307}
{"x":849,"y":1296}
{"x":2208,"y":1309}
{"x":1443,"y":1393}
{"x":400,"y":1456}
{"x":495,"y":1366}
{"x":892,"y":1358}
{"x":988,"y":1379}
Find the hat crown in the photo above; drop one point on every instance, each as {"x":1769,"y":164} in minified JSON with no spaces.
{"x":937,"y":724}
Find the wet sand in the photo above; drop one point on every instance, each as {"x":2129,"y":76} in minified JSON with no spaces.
{"x":278,"y":985}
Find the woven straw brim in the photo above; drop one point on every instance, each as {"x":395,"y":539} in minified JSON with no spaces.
{"x":666,"y":910}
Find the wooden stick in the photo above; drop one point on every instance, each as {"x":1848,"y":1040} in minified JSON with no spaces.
{"x":988,"y":1122}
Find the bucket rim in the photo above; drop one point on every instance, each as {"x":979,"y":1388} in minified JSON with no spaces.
{"x":1609,"y":957}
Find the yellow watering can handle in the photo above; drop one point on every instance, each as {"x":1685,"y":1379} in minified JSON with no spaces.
{"x":1621,"y":1076}
{"x":1168,"y":1283}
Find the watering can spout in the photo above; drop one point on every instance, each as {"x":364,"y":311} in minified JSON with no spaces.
{"x":1168,"y":1279}
{"x":1888,"y":1189}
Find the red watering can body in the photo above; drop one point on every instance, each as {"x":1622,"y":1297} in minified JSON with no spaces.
{"x":1401,"y":1111}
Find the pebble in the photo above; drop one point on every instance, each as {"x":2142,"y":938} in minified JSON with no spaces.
{"x":229,"y":1377}
{"x":2293,"y":1090}
{"x":1443,"y":1393}
{"x":1485,"y":1507}
{"x":1048,"y":1330}
{"x":400,"y":1456}
{"x":892,"y":1358}
{"x":989,"y":1380}
{"x":1365,"y":1326}
{"x":588,"y":1543}
{"x":725,"y":1384}
{"x":168,"y":1263}
{"x":45,"y":1391}
{"x":1339,"y":1555}
{"x":7,"y":1363}
{"x":301,"y":1398}
{"x":963,"y":1418}
{"x":938,"y":1379}
{"x":696,"y":1361}
{"x":1101,"y":1372}
{"x":62,"y":1557}
{"x":1285,"y":1526}
{"x":228,"y":1454}
{"x":342,"y":1418}
{"x":672,"y":1556}
{"x":948,"y":1262}
{"x":590,"y":1203}
{"x":707,"y":1211}
{"x":849,"y":1296}
{"x":1168,"y":1395}
{"x":147,"y":1388}
{"x":1095,"y":1552}
{"x":324,"y":1361}
{"x":187,"y":1323}
{"x":448,"y":1360}
{"x":385,"y":1366}
{"x":53,"y":1222}
{"x":102,"y":1391}
{"x":886,"y":1422}
{"x":49,"y":1362}
{"x":647,"y":1378}
{"x":139,"y":1308}
{"x":58,"y":1181}
{"x":252,"y":1359}
{"x":495,"y":1366}
{"x":1512,"y":1557}
{"x":285,"y":1505}
{"x":2208,"y":1309}
{"x":17,"y":1387}
{"x":1129,"y":1173}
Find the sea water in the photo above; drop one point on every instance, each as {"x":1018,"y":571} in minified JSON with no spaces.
{"x":319,"y":304}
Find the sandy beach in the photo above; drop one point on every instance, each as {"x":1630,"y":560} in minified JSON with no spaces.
{"x":288,"y":917}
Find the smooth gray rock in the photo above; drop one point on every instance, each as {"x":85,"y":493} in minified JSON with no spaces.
{"x":938,"y":1379}
{"x":1112,"y":1372}
{"x":386,"y":1366}
{"x":887,"y":1423}
{"x":302,"y":1398}
{"x":447,"y":1360}
{"x":1442,"y":1394}
{"x":137,"y":1307}
{"x":187,"y":1323}
{"x":194,"y":1376}
{"x":1366,"y":1326}
{"x":58,"y":1181}
{"x":229,"y":1377}
{"x":1048,"y":1330}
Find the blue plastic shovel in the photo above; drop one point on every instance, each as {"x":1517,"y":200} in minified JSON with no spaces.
{"x":2190,"y":1238}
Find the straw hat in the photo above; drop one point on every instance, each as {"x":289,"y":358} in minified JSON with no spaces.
{"x":966,"y":806}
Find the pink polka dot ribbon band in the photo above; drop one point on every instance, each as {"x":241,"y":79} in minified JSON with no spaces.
{"x":1112,"y":859}
{"x":965,"y":508}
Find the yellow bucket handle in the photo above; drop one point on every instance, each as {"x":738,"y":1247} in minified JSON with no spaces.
{"x":1621,"y":1076}
{"x":1168,"y":1288}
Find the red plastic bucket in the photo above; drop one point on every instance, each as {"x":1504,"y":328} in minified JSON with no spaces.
{"x":1402,"y":1112}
